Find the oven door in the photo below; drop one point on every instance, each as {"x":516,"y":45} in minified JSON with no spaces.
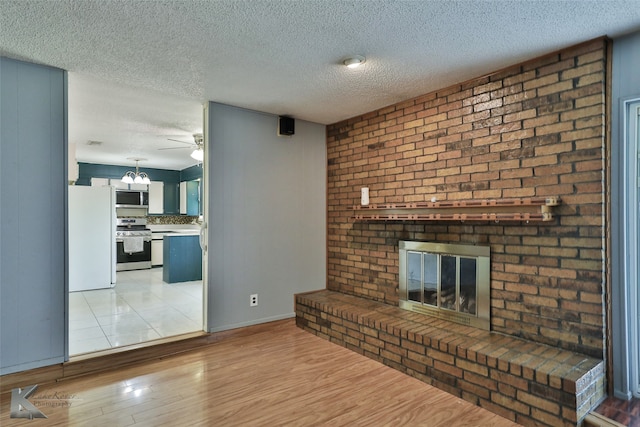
{"x":135,"y":260}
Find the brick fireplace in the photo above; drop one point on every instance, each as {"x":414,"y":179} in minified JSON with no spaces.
{"x":533,"y":130}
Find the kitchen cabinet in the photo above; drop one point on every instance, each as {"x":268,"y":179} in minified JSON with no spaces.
{"x":182,"y":258}
{"x":183,"y":198}
{"x":156,"y":197}
{"x":140,"y":187}
{"x":157,"y":253}
{"x":99,"y":182}
{"x":73,"y":168}
{"x":117,"y":183}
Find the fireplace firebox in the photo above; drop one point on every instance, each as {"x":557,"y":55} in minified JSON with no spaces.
{"x":447,"y":281}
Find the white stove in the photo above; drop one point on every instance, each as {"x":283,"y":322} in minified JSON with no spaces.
{"x":133,"y":244}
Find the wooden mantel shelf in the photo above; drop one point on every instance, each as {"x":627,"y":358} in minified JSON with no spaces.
{"x":524,"y":209}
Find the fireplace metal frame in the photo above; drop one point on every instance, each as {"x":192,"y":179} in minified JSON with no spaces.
{"x":482,"y":318}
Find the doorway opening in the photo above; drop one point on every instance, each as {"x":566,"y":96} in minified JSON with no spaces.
{"x":150,"y":289}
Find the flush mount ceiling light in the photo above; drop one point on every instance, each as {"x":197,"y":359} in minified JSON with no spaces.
{"x":136,"y":177}
{"x":354,"y":61}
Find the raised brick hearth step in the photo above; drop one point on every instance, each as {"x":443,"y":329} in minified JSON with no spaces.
{"x":526,"y":382}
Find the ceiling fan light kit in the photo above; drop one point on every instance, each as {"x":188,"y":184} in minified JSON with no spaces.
{"x":198,"y":154}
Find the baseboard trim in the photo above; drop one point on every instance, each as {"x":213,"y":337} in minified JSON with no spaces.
{"x":113,"y":359}
{"x":596,"y":420}
{"x":253,"y":322}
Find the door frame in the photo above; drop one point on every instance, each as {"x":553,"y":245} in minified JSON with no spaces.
{"x":203,"y":236}
{"x":625,"y":299}
{"x":632,"y":217}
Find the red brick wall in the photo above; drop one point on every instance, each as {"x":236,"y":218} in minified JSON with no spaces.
{"x":535,"y":129}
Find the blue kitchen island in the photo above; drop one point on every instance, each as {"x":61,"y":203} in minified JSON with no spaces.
{"x":182,"y":257}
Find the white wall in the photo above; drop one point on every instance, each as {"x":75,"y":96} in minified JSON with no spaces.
{"x":33,"y":208}
{"x":267,"y":221}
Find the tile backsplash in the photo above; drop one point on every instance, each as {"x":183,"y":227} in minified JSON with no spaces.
{"x":172,"y":219}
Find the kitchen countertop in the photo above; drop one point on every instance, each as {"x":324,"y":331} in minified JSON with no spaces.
{"x":178,"y":233}
{"x":159,"y":231}
{"x":172,"y":227}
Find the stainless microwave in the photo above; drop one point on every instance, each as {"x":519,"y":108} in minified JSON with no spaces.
{"x":132,"y":198}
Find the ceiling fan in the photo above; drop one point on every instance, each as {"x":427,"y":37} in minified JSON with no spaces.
{"x":198,"y":153}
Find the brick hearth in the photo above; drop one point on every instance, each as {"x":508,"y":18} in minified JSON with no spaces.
{"x":526,"y":382}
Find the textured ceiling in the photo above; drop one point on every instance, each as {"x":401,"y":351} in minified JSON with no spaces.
{"x":141,"y":70}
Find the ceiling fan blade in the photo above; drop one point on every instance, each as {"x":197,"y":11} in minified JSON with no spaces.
{"x":173,"y":148}
{"x":182,"y":142}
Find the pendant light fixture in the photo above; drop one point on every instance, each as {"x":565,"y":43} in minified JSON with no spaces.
{"x":136,"y":177}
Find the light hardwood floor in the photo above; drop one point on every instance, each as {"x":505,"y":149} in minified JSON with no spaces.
{"x":271,"y":375}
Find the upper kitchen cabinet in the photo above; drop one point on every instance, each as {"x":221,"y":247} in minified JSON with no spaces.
{"x":156,"y":197}
{"x":190,"y":198}
{"x":73,"y":170}
{"x":139,"y":187}
{"x":99,"y":182}
{"x":117,"y":183}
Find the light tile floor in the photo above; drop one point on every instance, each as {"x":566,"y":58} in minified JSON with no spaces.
{"x":141,"y":307}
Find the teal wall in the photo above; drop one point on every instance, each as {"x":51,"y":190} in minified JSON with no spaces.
{"x":171,"y":179}
{"x":192,"y":173}
{"x":95,"y":170}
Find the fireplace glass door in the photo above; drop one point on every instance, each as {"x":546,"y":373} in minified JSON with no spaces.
{"x":468,"y":285}
{"x":450,"y":281}
{"x":456,"y":275}
{"x":422,"y":278}
{"x":414,"y":276}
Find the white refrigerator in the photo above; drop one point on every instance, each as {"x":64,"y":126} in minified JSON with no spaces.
{"x":92,"y":241}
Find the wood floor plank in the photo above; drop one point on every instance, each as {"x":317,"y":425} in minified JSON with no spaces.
{"x":279,"y":375}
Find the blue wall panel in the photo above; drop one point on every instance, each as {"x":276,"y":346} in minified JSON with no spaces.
{"x":33,"y":231}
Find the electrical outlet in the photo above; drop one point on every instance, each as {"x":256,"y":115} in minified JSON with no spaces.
{"x":253,"y":300}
